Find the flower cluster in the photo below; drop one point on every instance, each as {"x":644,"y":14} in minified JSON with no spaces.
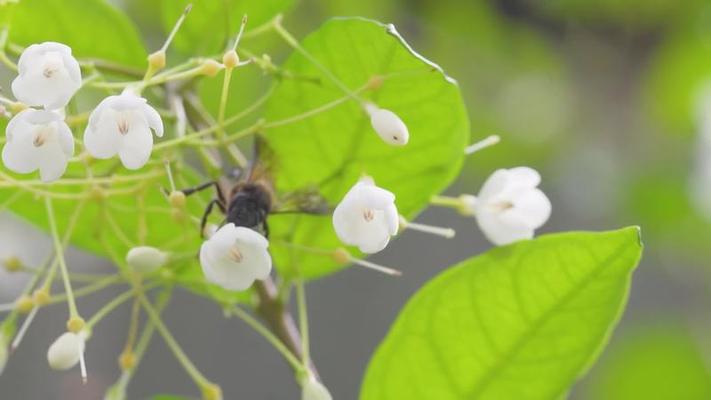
{"x":40,"y":139}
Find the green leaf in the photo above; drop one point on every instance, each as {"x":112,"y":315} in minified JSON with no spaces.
{"x":658,"y":362}
{"x":110,"y":227}
{"x":92,"y":28}
{"x":332,"y":149}
{"x":519,"y":322}
{"x":212,"y":24}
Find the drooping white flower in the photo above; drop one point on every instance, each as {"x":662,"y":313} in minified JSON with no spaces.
{"x":66,"y":351}
{"x":510,"y":206}
{"x":38,"y":139}
{"x":48,"y":76}
{"x":234,"y":257}
{"x":146,"y":259}
{"x":122,"y":125}
{"x":312,"y":389}
{"x":366,"y":217}
{"x":388,"y":125}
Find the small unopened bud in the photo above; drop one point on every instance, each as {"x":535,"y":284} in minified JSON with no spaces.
{"x":388,"y":125}
{"x":12,"y":264}
{"x":375,"y":82}
{"x":156,"y":60}
{"x":146,"y":259}
{"x":97,"y":193}
{"x":75,"y":324}
{"x":341,"y":256}
{"x":176,"y":199}
{"x":41,"y":296}
{"x":17,"y":107}
{"x":66,"y":351}
{"x":127,"y":360}
{"x":210,"y":391}
{"x":467,"y":204}
{"x":230,"y":59}
{"x":25,"y":304}
{"x":210,"y":67}
{"x":311,"y":389}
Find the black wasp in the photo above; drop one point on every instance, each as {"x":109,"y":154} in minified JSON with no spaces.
{"x":250,"y":200}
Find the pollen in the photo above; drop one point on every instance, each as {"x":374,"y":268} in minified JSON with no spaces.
{"x":235,"y":254}
{"x":123,"y":126}
{"x":368,"y":214}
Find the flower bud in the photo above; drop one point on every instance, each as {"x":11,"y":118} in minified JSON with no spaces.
{"x":210,"y":391}
{"x":341,"y":255}
{"x":12,"y":264}
{"x":127,"y":360}
{"x":176,"y":199}
{"x":75,"y":324}
{"x":210,"y":67}
{"x":24,"y":304}
{"x":312,"y":389}
{"x":65,"y":352}
{"x":41,"y":296}
{"x":388,"y":125}
{"x":156,"y":61}
{"x":230,"y":59}
{"x":146,"y":259}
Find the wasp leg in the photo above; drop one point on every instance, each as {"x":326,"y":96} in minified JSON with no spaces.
{"x":201,"y":187}
{"x":208,"y":211}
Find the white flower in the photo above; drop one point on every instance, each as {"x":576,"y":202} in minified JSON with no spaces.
{"x":510,"y":207}
{"x":66,"y":351}
{"x":366,"y":217}
{"x":48,"y":76}
{"x":311,"y":389}
{"x":122,"y":124}
{"x":146,"y":259}
{"x":38,"y":139}
{"x":234,"y":257}
{"x":388,"y":125}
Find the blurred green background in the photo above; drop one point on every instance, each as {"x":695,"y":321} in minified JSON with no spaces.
{"x":611,"y":101}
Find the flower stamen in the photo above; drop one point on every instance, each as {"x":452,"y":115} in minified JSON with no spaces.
{"x":368,"y":215}
{"x":123,"y":126}
{"x":235,"y":254}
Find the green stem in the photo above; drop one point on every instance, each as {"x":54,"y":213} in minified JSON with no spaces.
{"x":188,"y":365}
{"x":59,"y":251}
{"x":303,"y":323}
{"x":270,"y":337}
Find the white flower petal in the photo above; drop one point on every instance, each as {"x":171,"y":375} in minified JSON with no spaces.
{"x":510,"y":206}
{"x":145,"y":259}
{"x":136,"y":147}
{"x":314,"y":390}
{"x":388,"y":126}
{"x":234,"y":257}
{"x":38,"y":139}
{"x":366,"y":217}
{"x":122,"y":125}
{"x":65,"y":352}
{"x":48,"y":76}
{"x":500,"y":232}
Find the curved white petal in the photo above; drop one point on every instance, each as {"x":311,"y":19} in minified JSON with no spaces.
{"x":494,"y":185}
{"x":48,"y":76}
{"x":531,"y":207}
{"x":234,"y":257}
{"x":525,"y":176}
{"x":65,"y":352}
{"x":366,"y":217}
{"x":154,"y":120}
{"x":136,"y":147}
{"x":501,"y":232}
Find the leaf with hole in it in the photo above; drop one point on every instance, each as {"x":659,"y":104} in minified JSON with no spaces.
{"x":519,"y":322}
{"x":92,"y":28}
{"x":332,"y":149}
